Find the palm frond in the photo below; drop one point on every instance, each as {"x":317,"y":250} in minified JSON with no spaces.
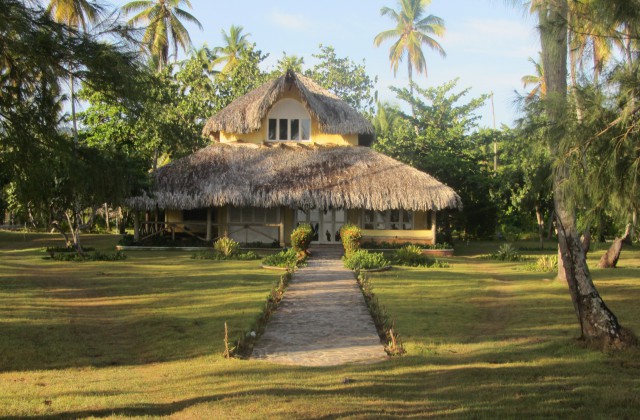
{"x":188,"y":17}
{"x":136,"y":6}
{"x":386,"y":35}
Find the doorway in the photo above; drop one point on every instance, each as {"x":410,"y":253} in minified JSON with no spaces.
{"x":326,"y":224}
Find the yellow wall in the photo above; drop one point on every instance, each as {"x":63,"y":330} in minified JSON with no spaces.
{"x":422,"y":233}
{"x":317,"y":136}
{"x":424,"y":237}
{"x":255,"y":137}
{"x":173,"y":216}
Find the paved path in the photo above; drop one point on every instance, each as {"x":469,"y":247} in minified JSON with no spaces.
{"x":322,"y":319}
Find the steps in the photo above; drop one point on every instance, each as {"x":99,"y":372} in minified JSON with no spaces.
{"x":326,"y":252}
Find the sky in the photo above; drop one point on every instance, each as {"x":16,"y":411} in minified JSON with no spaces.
{"x":488,"y":43}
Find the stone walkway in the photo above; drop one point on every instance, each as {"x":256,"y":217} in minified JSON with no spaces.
{"x":322,"y":319}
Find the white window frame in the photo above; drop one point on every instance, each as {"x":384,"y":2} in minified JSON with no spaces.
{"x":288,"y":110}
{"x":242,"y":211}
{"x":386,"y":223}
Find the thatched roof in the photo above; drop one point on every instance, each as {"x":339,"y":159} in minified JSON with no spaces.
{"x":244,"y":115}
{"x":307,"y":176}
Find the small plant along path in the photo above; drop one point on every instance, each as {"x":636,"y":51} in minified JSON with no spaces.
{"x":322,"y":320}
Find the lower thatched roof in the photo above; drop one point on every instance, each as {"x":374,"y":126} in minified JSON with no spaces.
{"x":271,"y":175}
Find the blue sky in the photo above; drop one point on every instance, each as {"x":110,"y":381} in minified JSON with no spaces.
{"x":487,"y":43}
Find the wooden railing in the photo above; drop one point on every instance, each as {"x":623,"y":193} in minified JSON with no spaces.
{"x":151,"y":229}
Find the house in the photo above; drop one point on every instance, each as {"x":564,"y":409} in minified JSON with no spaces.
{"x":291,"y":152}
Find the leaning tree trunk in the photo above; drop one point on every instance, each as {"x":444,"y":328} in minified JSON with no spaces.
{"x":597,"y":322}
{"x":610,"y":258}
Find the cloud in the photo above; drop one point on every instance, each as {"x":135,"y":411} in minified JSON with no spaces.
{"x":289,"y":21}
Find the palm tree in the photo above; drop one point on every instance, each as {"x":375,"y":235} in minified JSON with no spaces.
{"x":235,"y":42}
{"x":412,"y":31}
{"x":76,"y":14}
{"x":537,"y":80}
{"x":163,"y":26}
{"x":290,"y":63}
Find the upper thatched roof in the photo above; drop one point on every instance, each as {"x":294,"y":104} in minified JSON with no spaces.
{"x":270,"y":175}
{"x":244,"y":115}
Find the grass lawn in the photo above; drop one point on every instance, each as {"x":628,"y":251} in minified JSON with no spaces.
{"x":143,"y":337}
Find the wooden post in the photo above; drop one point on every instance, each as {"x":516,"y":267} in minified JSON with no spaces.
{"x":209,"y":235}
{"x":155,"y":214}
{"x":282,"y":213}
{"x":136,"y":226}
{"x":222,"y":221}
{"x":433,"y":225}
{"x":281,"y":233}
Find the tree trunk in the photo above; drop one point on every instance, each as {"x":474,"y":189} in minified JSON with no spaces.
{"x":610,"y":258}
{"x":106,"y":216}
{"x":551,"y":225}
{"x":57,"y":227}
{"x":586,"y":241}
{"x":74,"y":227}
{"x":562,"y":274}
{"x":634,"y":220}
{"x":597,"y":322}
{"x":73,"y":111}
{"x":92,"y":218}
{"x":540,"y":221}
{"x":123,"y":221}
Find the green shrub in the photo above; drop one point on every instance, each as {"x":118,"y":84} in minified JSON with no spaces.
{"x":507,"y":252}
{"x":216,"y":256}
{"x":412,"y":256}
{"x":93,"y":256}
{"x":398,"y":245}
{"x":362,"y":259}
{"x":438,"y":264}
{"x":350,"y":235}
{"x":274,"y":244}
{"x":301,"y":237}
{"x":544,"y":264}
{"x":54,"y":249}
{"x":286,"y":259}
{"x":226,"y":246}
{"x":442,"y":245}
{"x":247,"y":256}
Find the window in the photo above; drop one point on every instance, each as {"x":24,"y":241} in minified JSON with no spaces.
{"x":283,"y":129}
{"x":273,"y":127}
{"x":287,"y":129}
{"x":295,"y":129}
{"x":306,"y":129}
{"x":387,"y":220}
{"x":288,"y":120}
{"x":257,"y":215}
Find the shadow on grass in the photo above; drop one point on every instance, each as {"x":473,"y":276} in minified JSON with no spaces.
{"x":108,"y":314}
{"x":547,"y":380}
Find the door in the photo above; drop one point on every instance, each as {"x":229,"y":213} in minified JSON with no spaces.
{"x":326,"y":224}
